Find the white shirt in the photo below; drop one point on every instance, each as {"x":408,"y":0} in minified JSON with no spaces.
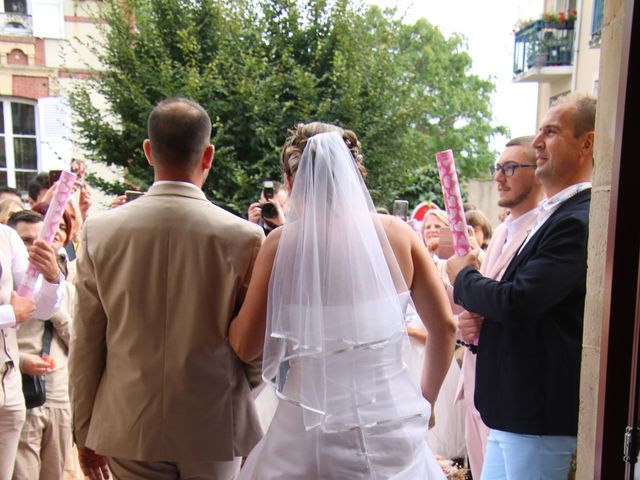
{"x":48,"y":296}
{"x":514,"y":225}
{"x":548,"y":206}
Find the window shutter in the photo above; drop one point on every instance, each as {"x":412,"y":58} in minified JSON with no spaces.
{"x":48,"y":18}
{"x":56,"y":148}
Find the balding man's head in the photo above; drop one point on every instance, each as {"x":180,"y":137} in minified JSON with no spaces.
{"x":179,"y":131}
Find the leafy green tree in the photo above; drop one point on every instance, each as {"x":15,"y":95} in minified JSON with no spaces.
{"x":260,"y":68}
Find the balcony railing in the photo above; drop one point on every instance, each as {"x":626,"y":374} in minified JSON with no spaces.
{"x":543,"y":44}
{"x":15,"y":24}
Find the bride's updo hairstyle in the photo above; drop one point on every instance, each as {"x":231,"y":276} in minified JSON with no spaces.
{"x":297,"y":140}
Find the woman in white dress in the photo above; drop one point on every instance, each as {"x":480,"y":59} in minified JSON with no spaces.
{"x":330,"y":289}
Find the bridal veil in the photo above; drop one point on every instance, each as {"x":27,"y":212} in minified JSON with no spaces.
{"x":337,"y":300}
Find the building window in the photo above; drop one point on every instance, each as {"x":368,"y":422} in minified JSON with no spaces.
{"x":38,"y":18}
{"x":565,"y":5}
{"x":18,"y":144}
{"x":596,"y":23}
{"x":15,"y":18}
{"x":15,"y":6}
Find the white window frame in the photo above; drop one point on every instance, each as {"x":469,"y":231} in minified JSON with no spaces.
{"x":10,"y":167}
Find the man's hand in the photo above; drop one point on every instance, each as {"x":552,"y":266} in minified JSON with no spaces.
{"x":469,"y":324}
{"x":23,"y":307}
{"x":48,"y":196}
{"x":433,"y":244}
{"x":43,"y":257}
{"x":456,"y":263}
{"x":275,"y":222}
{"x":34,"y":365}
{"x":253,"y":214}
{"x":118,"y":201}
{"x":93,"y":465}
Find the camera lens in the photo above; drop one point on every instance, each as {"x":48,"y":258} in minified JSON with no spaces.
{"x":269,"y":210}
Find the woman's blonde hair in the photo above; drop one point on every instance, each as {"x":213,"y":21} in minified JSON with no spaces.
{"x":439,"y":214}
{"x":297,"y":140}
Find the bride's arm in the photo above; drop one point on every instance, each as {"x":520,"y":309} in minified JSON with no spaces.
{"x":247,"y":329}
{"x":432,"y":305}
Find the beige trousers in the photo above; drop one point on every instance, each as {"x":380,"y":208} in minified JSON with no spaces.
{"x":122,"y":469}
{"x":45,"y":443}
{"x":12,"y":413}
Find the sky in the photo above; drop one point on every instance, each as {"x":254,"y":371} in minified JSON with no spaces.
{"x":487,"y":26}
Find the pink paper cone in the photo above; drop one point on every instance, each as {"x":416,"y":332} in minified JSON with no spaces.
{"x":61,"y":195}
{"x":453,"y":202}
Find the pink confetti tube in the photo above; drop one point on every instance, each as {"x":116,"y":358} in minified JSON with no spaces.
{"x":63,"y":191}
{"x":453,"y":202}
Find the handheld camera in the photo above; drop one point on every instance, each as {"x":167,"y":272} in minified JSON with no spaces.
{"x":132,"y":195}
{"x":401,"y":209}
{"x":268,"y":209}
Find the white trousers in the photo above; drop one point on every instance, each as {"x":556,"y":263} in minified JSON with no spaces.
{"x":12,"y":415}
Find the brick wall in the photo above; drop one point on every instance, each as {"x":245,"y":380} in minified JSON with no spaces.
{"x":30,"y":87}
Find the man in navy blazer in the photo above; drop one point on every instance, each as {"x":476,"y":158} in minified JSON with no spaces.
{"x":529,"y":349}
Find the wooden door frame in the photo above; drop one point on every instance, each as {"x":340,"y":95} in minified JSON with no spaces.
{"x":616,"y":395}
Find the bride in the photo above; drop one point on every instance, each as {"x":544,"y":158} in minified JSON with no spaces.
{"x":330,"y":289}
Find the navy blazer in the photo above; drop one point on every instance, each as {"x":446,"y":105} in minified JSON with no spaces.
{"x":530,"y":344}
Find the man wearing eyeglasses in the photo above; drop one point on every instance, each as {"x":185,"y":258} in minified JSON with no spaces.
{"x":529,"y":348}
{"x":520,"y":191}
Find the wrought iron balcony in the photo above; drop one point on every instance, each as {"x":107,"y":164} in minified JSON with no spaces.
{"x":543,"y":50}
{"x":15,"y":24}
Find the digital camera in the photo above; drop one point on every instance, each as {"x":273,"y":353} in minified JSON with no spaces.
{"x":268,"y":209}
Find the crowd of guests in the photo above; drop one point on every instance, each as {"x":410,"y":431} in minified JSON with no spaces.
{"x":44,"y":441}
{"x":504,"y":404}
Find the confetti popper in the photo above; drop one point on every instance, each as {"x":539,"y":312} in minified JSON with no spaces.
{"x":50,"y":224}
{"x":453,"y":202}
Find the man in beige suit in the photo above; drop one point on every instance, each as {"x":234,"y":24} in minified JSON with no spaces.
{"x":520,"y":191}
{"x":156,"y":389}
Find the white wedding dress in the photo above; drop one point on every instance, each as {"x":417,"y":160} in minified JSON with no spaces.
{"x":349,"y":407}
{"x":390,"y":446}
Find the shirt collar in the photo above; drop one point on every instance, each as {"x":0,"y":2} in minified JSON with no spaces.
{"x":176,"y":182}
{"x":517,"y":222}
{"x":513,"y":225}
{"x":562,"y":196}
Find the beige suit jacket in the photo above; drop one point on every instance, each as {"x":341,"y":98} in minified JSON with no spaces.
{"x":152,"y":375}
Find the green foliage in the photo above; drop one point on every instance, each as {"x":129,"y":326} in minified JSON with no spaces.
{"x":260,"y":68}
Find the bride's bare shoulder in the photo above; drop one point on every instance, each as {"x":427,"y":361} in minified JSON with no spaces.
{"x":396,"y":229}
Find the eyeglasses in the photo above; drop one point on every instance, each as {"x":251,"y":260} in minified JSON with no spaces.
{"x":509,"y":169}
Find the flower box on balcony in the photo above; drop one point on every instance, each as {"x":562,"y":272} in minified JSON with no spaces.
{"x":566,"y":25}
{"x":546,"y":42}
